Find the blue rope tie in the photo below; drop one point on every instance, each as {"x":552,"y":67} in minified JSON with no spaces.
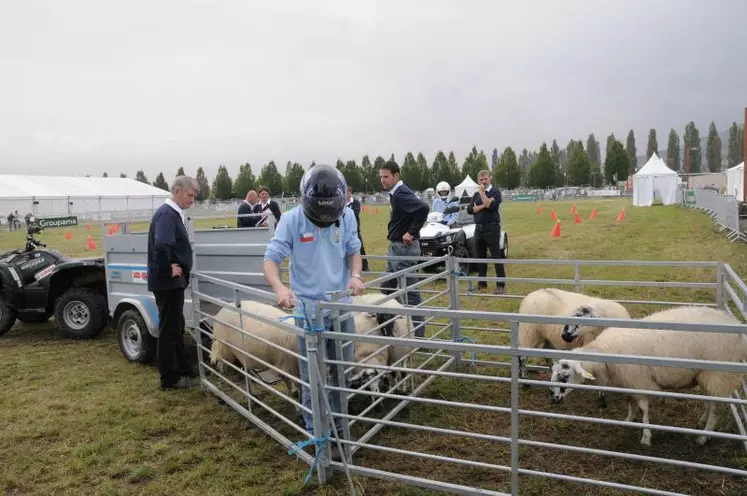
{"x":317,"y":442}
{"x":470,"y":288}
{"x":308,"y":326}
{"x":465,"y":339}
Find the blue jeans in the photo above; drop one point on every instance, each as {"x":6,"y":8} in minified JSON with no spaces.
{"x":398,"y":249}
{"x":348,"y":327}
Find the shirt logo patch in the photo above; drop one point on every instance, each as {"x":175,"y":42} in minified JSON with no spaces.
{"x":307,"y":237}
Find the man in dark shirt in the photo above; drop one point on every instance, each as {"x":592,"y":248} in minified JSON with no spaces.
{"x":169,"y":266}
{"x":408,"y":215}
{"x":484,"y":207}
{"x":249,"y":206}
{"x":267,"y":206}
{"x":355,"y":206}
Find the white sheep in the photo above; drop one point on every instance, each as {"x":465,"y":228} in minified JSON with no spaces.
{"x":673,"y":344}
{"x":280,"y":359}
{"x":364,"y":322}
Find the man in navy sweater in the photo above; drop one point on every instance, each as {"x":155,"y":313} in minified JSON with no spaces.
{"x":484,"y":207}
{"x":169,"y":266}
{"x":408,"y":215}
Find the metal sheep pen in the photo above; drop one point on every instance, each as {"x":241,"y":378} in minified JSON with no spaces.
{"x":440,"y":357}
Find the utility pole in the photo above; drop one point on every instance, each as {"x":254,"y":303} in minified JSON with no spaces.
{"x":744,"y":157}
{"x":687,"y":162}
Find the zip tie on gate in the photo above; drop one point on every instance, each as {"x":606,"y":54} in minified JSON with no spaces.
{"x":473,"y":355}
{"x":318,"y":443}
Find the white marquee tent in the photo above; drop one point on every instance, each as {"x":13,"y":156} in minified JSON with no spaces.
{"x":62,"y":195}
{"x":654,"y":181}
{"x":735,"y":181}
{"x":468,"y":186}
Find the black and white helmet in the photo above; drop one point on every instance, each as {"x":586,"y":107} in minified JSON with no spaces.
{"x":323,"y":194}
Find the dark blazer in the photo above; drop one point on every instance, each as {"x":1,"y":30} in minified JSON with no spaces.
{"x":168,"y":243}
{"x":245,"y":208}
{"x":273,"y":207}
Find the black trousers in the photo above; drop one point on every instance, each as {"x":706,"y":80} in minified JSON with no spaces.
{"x":172,"y":359}
{"x":363,"y":253}
{"x":487,"y":236}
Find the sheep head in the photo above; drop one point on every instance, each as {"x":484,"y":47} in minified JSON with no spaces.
{"x":571,"y":331}
{"x":567,"y":372}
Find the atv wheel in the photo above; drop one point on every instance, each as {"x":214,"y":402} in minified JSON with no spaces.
{"x":81,"y":313}
{"x":471,"y":246}
{"x":7,"y":316}
{"x":504,"y":251}
{"x":136,"y":343}
{"x":461,"y":252}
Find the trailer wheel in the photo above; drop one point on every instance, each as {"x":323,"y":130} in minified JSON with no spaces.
{"x":135,"y":341}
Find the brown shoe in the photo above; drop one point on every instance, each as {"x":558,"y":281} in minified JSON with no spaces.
{"x":182,"y":383}
{"x":499,"y":290}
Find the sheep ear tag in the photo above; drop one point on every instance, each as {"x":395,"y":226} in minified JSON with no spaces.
{"x":587,"y":375}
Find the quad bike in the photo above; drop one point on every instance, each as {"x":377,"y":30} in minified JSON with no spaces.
{"x":458,"y":239}
{"x":37,"y":283}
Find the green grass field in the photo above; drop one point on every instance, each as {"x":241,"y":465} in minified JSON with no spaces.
{"x":78,"y":419}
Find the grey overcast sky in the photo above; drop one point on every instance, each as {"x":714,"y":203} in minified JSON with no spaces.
{"x":91,"y":85}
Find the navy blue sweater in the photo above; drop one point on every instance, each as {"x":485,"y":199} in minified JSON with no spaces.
{"x":408,"y":214}
{"x":488,"y":215}
{"x":168,"y":243}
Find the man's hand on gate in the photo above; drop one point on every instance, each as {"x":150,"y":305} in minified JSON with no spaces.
{"x":285,"y":297}
{"x":356,"y":284}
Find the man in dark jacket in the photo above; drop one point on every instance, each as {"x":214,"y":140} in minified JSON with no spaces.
{"x":169,"y":266}
{"x":408,"y":215}
{"x":249,"y":206}
{"x":484,"y":207}
{"x":355,"y":206}
{"x":267,"y":206}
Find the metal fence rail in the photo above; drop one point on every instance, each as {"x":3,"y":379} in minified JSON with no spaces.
{"x":452,"y":352}
{"x":724,"y":209}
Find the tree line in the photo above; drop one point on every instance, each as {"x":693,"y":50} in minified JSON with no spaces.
{"x":579,"y":163}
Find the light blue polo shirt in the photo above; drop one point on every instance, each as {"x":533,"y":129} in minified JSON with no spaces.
{"x":318,"y":256}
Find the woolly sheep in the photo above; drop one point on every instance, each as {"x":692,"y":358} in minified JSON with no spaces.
{"x":557,"y":302}
{"x":674,"y":344}
{"x":282,"y":360}
{"x":364,"y":322}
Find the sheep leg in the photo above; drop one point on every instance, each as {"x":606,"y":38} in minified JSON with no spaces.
{"x":646,"y":437}
{"x":632,"y":410}
{"x":710,"y":423}
{"x":601,"y":400}
{"x":704,"y":417}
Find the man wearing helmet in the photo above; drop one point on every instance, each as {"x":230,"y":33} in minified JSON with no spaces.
{"x":320,"y":237}
{"x":442,"y":200}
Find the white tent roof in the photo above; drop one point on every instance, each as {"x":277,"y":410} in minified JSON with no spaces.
{"x":27,"y":186}
{"x":735,"y":181}
{"x":655,"y":167}
{"x":467,"y":185}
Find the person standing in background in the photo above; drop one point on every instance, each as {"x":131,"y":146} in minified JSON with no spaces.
{"x":267,"y":206}
{"x":484,"y":206}
{"x":355,"y":206}
{"x":408,"y":215}
{"x":250,"y":205}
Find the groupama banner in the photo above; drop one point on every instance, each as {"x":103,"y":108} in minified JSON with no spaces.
{"x":52,"y":222}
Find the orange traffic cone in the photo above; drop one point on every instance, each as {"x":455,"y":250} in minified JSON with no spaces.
{"x":573,"y":209}
{"x":539,"y":210}
{"x":88,"y":227}
{"x":68,"y":235}
{"x":91,"y":244}
{"x":593,"y":214}
{"x":621,"y":215}
{"x":117,"y":227}
{"x":578,"y":218}
{"x":556,"y":230}
{"x":552,"y":215}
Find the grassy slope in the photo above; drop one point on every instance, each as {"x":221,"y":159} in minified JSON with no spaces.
{"x":78,"y":419}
